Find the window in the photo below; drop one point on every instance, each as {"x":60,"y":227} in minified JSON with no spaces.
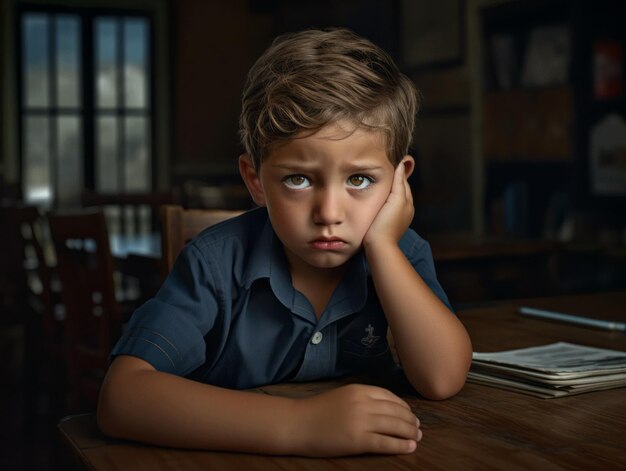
{"x":86,"y":118}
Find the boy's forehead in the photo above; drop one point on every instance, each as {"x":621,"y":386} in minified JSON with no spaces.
{"x":356,"y":141}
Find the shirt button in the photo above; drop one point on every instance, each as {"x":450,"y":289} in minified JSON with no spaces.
{"x":317,"y":338}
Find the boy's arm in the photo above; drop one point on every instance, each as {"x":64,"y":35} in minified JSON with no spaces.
{"x":140,"y":403}
{"x":431,"y":342}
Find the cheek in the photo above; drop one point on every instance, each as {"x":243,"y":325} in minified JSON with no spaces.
{"x":284,"y":214}
{"x":279,"y":202}
{"x":371,"y":212}
{"x":367,"y":212}
{"x":380,"y":197}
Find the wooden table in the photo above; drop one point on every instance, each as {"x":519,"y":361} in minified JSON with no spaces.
{"x":480,"y":428}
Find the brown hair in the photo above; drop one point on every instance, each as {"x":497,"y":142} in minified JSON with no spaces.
{"x":307,"y":80}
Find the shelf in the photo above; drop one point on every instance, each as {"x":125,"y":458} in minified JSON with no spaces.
{"x":523,"y":123}
{"x":612,"y":105}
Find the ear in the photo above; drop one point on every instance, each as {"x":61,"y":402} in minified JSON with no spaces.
{"x":409,"y":165}
{"x":251,"y":178}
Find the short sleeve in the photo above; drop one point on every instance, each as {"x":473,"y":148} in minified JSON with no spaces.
{"x":169,"y":330}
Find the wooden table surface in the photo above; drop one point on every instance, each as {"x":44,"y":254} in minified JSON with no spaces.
{"x":480,"y":428}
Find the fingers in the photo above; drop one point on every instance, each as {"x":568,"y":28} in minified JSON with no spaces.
{"x":407,"y":190}
{"x":400,"y":185}
{"x":408,"y":195}
{"x":396,"y":426}
{"x":393,"y":435}
{"x":405,"y":181}
{"x":390,"y":415}
{"x":357,"y":419}
{"x":390,"y":445}
{"x":399,"y":180}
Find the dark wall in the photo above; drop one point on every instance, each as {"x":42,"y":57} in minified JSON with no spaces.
{"x":215,"y":45}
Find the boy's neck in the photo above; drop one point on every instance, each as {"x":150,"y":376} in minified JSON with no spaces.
{"x":317,"y":284}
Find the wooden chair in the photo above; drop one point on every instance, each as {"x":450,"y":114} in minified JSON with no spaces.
{"x":179,"y":226}
{"x":15,"y":220}
{"x":49,"y":312}
{"x":130,"y":215}
{"x":36,"y":297}
{"x":28,"y":281}
{"x":19,"y":334}
{"x":93,"y":316}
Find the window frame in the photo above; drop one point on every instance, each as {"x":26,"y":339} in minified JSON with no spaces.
{"x":87,"y":108}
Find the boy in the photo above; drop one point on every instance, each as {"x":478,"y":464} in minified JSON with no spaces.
{"x":303,"y":287}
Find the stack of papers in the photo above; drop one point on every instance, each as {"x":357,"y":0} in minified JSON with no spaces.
{"x":554,"y":370}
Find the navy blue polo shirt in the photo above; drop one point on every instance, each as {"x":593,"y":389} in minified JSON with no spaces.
{"x":228,"y":314}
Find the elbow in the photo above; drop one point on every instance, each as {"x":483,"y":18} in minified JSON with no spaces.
{"x":108,"y":413}
{"x":440,"y":390}
{"x":448,"y":379}
{"x":104,"y":424}
{"x":105,"y":414}
{"x":122,"y":402}
{"x":444,"y":383}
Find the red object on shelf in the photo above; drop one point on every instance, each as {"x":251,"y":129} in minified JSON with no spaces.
{"x":608,"y":69}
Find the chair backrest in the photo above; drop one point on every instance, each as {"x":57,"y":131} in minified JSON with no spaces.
{"x":44,"y":285}
{"x":29,"y":296}
{"x":17,"y":257}
{"x":93,"y":317}
{"x":46,"y":291}
{"x":179,"y":226}
{"x":129,"y":213}
{"x":85,"y":268}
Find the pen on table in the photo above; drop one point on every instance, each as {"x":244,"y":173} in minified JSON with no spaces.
{"x":559,"y":316}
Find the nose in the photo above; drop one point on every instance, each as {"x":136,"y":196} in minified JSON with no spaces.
{"x":328,"y":207}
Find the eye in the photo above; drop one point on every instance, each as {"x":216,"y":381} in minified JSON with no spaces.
{"x":360,"y":182}
{"x":296,"y":182}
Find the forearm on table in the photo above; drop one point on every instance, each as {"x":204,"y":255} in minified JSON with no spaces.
{"x":432,"y":344}
{"x":140,"y":403}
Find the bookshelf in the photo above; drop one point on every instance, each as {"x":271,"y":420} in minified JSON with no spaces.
{"x":553,"y":75}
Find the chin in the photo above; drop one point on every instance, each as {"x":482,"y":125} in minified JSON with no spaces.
{"x":327,"y":260}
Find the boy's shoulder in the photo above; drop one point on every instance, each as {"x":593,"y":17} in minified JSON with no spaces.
{"x":414,"y":247}
{"x":237,"y":238}
{"x":239,"y":248}
{"x":411,"y":239}
{"x":245,"y":228}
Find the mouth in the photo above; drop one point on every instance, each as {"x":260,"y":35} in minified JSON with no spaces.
{"x":328,"y":243}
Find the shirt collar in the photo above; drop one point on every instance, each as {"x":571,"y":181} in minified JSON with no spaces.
{"x":351,"y":294}
{"x":268,"y":260}
{"x":261,"y":254}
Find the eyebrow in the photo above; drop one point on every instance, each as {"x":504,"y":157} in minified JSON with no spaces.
{"x":366,"y":167}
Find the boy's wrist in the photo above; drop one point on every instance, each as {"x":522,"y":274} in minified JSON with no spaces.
{"x":373,"y":246}
{"x":291,"y":430}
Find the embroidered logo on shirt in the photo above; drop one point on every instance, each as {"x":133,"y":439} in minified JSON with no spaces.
{"x":370,"y":339}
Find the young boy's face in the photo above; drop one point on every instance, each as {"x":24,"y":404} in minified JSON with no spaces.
{"x":322,"y":192}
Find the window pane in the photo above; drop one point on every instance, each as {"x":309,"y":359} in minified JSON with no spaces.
{"x":106,"y":154}
{"x":106,"y":62}
{"x":36,"y":163}
{"x":36,"y":59}
{"x":135,"y":62}
{"x":136,"y":162}
{"x":69,"y":158}
{"x":68,"y":61}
